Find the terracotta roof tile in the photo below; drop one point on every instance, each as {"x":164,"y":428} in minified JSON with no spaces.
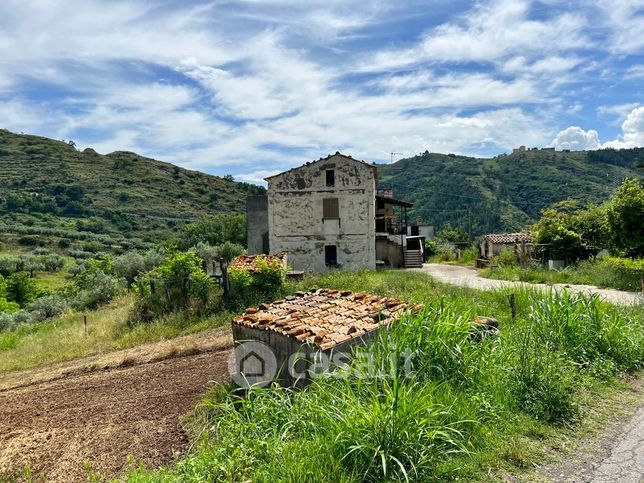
{"x":325,"y":317}
{"x":508,"y":238}
{"x":248,"y":262}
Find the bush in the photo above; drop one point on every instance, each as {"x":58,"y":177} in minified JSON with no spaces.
{"x":507,"y":257}
{"x":64,"y":243}
{"x":29,"y":240}
{"x":431,"y":247}
{"x":21,"y":288}
{"x":53,"y":262}
{"x":267,"y":279}
{"x":47,"y":307}
{"x":8,"y":266}
{"x":97,"y":288}
{"x":129,"y":266}
{"x":179,"y":283}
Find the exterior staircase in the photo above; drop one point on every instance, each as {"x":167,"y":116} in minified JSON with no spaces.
{"x":413,"y":259}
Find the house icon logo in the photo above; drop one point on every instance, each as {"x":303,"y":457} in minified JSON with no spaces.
{"x":252,"y":364}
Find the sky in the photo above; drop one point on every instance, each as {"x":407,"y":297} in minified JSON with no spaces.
{"x":254,"y":87}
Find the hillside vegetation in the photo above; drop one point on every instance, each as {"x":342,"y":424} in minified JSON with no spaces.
{"x":507,"y":192}
{"x":50,"y":190}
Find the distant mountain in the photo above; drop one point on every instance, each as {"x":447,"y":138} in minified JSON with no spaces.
{"x":48,"y":187}
{"x":507,"y":192}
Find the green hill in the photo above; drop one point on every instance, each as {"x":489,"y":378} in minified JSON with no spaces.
{"x":50,"y":190}
{"x":507,"y":192}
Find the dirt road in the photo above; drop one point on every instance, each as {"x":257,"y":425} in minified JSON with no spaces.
{"x":468,"y":277}
{"x":103,"y":417}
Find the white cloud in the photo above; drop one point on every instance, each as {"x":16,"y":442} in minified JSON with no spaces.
{"x":256,"y":177}
{"x":625,"y":21}
{"x":576,"y":139}
{"x":258,"y":86}
{"x":635,"y":72}
{"x":491,"y":32}
{"x":632,"y":131}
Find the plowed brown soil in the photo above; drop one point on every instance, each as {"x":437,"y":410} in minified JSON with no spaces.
{"x":103,"y":418}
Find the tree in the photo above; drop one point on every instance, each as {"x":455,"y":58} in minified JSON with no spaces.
{"x":21,"y":288}
{"x":625,"y":216}
{"x":572,"y":233}
{"x":215,"y":230}
{"x":452,"y":235}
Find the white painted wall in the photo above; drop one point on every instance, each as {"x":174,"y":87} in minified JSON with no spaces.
{"x":295,"y":221}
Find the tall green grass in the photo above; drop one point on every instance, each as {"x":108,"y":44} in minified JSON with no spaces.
{"x":459,"y":413}
{"x":601,"y":273}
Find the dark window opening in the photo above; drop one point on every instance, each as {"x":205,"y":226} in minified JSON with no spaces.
{"x":380,"y":204}
{"x":330,"y":177}
{"x":331,"y":255}
{"x":330,"y":209}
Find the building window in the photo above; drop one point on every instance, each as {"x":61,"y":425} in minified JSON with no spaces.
{"x":331,"y":255}
{"x":330,"y":209}
{"x":380,"y":204}
{"x":330,"y":178}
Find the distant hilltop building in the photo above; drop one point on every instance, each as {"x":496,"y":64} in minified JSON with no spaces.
{"x":520,"y":149}
{"x":329,"y":214}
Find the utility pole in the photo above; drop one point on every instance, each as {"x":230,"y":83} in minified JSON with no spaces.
{"x":394,"y":154}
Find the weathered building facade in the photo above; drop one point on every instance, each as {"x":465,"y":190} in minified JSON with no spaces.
{"x":327,"y":214}
{"x":322,"y":214}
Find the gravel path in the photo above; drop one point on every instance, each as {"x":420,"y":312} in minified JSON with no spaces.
{"x":469,"y":277}
{"x":626,"y":461}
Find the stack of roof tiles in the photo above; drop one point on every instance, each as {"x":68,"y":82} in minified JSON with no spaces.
{"x":508,"y":238}
{"x":248,"y":262}
{"x":324,"y":317}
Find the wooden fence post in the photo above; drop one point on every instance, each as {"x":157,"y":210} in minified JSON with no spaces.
{"x":513,"y":305}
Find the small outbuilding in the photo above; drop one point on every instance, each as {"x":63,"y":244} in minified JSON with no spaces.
{"x":309,"y":329}
{"x":492,"y":244}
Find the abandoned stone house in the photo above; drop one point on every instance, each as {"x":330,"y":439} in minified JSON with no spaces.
{"x":329,"y":214}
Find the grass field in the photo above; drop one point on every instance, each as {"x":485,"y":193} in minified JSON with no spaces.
{"x":474,"y":409}
{"x":64,"y":338}
{"x":595,"y":273}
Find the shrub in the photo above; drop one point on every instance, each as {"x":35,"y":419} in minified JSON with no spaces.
{"x":431,"y":247}
{"x":129,"y":266}
{"x":8,"y":307}
{"x":64,"y":243}
{"x":53,"y":262}
{"x":507,"y":257}
{"x":6,"y":321}
{"x":47,"y":307}
{"x":29,"y":240}
{"x":21,"y":288}
{"x":267,"y":278}
{"x":8,"y":266}
{"x":178,"y":283}
{"x":97,"y":288}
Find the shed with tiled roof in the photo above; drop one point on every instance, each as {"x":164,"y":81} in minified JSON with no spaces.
{"x":493,"y":243}
{"x":313,"y":324}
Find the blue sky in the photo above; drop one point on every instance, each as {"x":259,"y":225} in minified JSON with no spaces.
{"x":253,"y":87}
